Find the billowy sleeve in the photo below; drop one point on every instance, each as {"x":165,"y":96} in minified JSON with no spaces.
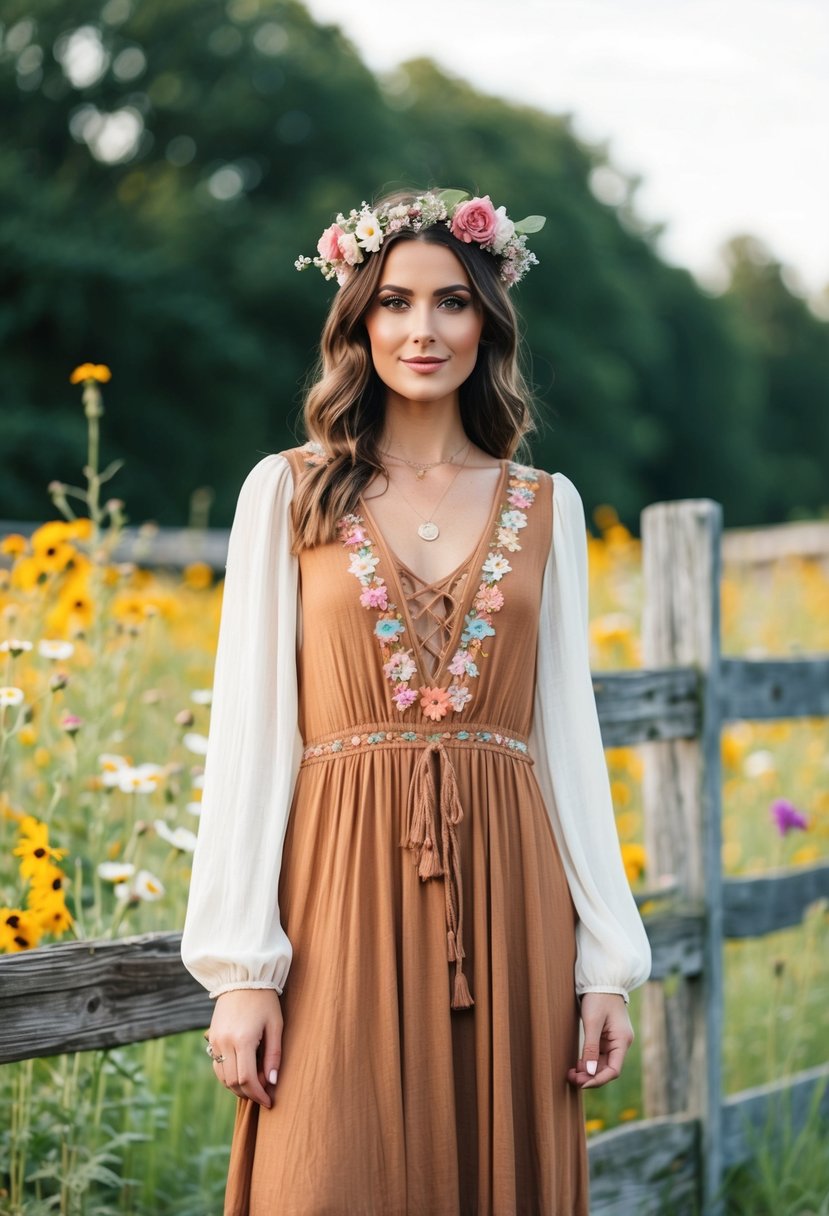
{"x":613,"y":952}
{"x":233,"y":937}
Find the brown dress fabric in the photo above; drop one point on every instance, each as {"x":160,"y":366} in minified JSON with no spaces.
{"x":392,"y":1100}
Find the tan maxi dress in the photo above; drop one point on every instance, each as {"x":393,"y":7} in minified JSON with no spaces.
{"x":392,"y":1100}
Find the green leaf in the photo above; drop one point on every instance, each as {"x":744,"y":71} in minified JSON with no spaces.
{"x":452,"y":197}
{"x":532,"y":223}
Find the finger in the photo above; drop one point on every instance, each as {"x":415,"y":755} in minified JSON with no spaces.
{"x":247,"y":1077}
{"x":271,"y":1054}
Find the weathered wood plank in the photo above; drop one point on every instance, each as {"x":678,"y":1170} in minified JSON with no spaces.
{"x":759,"y":546}
{"x":759,"y":689}
{"x":676,"y":939}
{"x":753,"y":907}
{"x":81,"y":995}
{"x":641,"y":706}
{"x":769,"y":1109}
{"x":682,"y":811}
{"x":650,"y":1168}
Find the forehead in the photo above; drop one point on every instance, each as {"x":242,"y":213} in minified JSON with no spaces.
{"x":418,"y":263}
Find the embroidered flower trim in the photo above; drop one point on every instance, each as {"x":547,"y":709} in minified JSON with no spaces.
{"x":399,"y":664}
{"x":368,"y":739}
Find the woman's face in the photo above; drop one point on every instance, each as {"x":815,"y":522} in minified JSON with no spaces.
{"x":423,"y":309}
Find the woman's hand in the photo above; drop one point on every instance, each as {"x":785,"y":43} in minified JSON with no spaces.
{"x":246,"y":1030}
{"x":607,"y":1036}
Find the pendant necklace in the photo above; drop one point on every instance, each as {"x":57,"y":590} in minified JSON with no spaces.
{"x":429,"y":530}
{"x":422,"y":469}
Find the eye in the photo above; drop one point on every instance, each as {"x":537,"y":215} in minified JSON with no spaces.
{"x":459,"y":300}
{"x":387,"y":301}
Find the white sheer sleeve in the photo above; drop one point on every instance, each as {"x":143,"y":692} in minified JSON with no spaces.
{"x":232,"y":936}
{"x":613,"y":952}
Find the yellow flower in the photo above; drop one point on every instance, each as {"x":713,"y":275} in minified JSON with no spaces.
{"x":605,"y":516}
{"x":27,"y":735}
{"x":50,"y":911}
{"x":198,"y":576}
{"x":34,"y":849}
{"x":91,"y":371}
{"x":620,"y":792}
{"x":630,"y":1112}
{"x":13,"y":545}
{"x":634,"y":860}
{"x":593,"y":1125}
{"x":19,"y":930}
{"x":806,"y":854}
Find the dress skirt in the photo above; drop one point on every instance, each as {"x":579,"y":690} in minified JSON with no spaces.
{"x":403,"y":1090}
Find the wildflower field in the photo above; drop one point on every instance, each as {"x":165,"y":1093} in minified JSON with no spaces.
{"x":105,"y":672}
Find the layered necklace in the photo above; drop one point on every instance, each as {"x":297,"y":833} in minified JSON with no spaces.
{"x":428,"y":529}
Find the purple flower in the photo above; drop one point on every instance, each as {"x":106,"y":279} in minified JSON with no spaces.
{"x":787,"y":816}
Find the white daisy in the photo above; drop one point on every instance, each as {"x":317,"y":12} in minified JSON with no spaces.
{"x":55,"y":649}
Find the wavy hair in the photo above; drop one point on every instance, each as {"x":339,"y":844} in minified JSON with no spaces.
{"x":343,"y":408}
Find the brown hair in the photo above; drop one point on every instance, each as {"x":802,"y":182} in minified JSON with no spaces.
{"x":343,"y":408}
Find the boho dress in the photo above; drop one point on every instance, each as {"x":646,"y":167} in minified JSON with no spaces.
{"x":406,"y":807}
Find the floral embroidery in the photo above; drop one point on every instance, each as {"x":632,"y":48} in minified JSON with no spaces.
{"x":399,"y":665}
{"x":434,"y":702}
{"x":372,"y":738}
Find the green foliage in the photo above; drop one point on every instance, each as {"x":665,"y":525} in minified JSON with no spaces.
{"x":253,"y":127}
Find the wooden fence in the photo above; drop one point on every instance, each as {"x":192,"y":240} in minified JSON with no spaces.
{"x":84,"y":995}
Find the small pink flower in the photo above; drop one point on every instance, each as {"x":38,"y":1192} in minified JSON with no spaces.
{"x":356,"y":536}
{"x":519,"y":498}
{"x":458,"y":664}
{"x":489,"y":599}
{"x":71,"y":723}
{"x":328,"y":246}
{"x":404,"y":697}
{"x":786,"y":816}
{"x":475,"y":220}
{"x":375,"y":596}
{"x":508,"y":273}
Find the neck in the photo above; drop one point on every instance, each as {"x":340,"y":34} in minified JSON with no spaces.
{"x":425,"y":431}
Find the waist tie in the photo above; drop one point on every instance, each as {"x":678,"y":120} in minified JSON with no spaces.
{"x":425,"y":804}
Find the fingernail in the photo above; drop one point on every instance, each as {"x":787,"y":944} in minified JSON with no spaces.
{"x":591,"y":1067}
{"x":272,"y":1076}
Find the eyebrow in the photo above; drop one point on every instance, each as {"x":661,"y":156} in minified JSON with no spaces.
{"x":405,"y":291}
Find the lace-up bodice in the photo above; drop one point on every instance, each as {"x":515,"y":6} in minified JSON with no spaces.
{"x":433,"y":608}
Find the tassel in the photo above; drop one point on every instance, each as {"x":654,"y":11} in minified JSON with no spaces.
{"x":462,"y":997}
{"x":451,"y":951}
{"x":430,"y":866}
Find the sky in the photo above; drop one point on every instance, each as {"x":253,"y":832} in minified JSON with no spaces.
{"x":721,"y":106}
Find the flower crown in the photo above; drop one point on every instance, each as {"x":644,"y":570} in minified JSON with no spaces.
{"x":345,"y":243}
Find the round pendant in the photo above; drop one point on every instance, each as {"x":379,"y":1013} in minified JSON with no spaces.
{"x":428,"y":531}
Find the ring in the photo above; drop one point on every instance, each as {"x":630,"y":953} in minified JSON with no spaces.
{"x":218,"y":1059}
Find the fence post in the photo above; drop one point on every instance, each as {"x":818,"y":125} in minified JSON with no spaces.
{"x":682,"y":1018}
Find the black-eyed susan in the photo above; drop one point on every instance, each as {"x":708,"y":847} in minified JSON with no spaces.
{"x":19,"y":930}
{"x":91,"y":371}
{"x":14,"y":545}
{"x":34,"y":849}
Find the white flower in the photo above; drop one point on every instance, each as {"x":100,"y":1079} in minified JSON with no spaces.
{"x":141,"y":780}
{"x":368,"y":232}
{"x":508,"y":539}
{"x":399,"y":212}
{"x":11,"y":696}
{"x":14,"y":646}
{"x":496,"y":566}
{"x":202,"y":696}
{"x":351,"y":251}
{"x":362,"y":564}
{"x":116,"y":871}
{"x":198,"y":781}
{"x":504,"y":231}
{"x":55,"y":649}
{"x":759,"y":762}
{"x":513,"y":519}
{"x":400,"y":666}
{"x":195,"y":742}
{"x":180,"y":838}
{"x":193,"y":807}
{"x":147,"y":886}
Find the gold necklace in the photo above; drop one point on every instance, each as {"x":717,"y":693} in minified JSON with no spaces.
{"x":423,"y":468}
{"x":429,"y":530}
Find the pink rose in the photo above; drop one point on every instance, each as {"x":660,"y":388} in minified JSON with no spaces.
{"x":475,"y":220}
{"x":328,"y":246}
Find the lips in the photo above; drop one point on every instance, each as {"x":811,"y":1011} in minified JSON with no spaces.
{"x":422,"y":360}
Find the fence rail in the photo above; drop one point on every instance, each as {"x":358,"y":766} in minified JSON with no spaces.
{"x":83,"y":995}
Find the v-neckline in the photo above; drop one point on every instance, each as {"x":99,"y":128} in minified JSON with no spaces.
{"x":474,"y":560}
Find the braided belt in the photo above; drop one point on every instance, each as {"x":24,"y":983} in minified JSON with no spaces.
{"x":433,"y":810}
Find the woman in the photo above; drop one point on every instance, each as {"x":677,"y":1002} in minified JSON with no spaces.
{"x":406,"y":803}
